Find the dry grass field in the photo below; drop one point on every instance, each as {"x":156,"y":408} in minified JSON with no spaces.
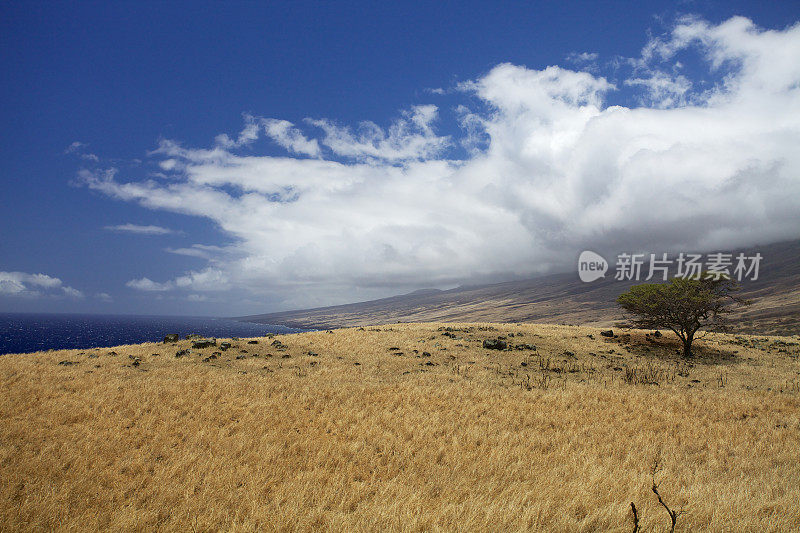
{"x":405,"y":427}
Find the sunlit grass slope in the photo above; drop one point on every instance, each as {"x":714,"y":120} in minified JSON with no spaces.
{"x":407,"y":428}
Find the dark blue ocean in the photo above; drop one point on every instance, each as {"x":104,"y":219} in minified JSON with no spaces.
{"x":21,"y":333}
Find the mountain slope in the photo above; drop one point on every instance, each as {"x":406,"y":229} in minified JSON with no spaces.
{"x":560,"y":299}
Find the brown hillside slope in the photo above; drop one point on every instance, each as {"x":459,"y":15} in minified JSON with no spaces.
{"x":560,"y":299}
{"x":404,"y":428}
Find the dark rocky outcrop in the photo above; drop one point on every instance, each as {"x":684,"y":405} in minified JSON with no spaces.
{"x":525,"y":346}
{"x":495,"y":344}
{"x":204,"y":343}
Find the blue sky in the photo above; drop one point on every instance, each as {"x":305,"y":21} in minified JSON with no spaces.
{"x":121,"y":196}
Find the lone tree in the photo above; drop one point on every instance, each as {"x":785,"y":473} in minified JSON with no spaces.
{"x":684,"y":305}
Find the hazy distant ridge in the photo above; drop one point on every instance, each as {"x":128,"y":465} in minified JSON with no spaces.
{"x":559,"y":298}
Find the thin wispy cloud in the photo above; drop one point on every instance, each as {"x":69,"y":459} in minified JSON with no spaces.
{"x":551,"y":169}
{"x":282,"y":132}
{"x":582,"y":57}
{"x":586,"y":61}
{"x":79,"y":149}
{"x":411,"y":137}
{"x":141,"y":230}
{"x":662,"y":90}
{"x":197,"y":250}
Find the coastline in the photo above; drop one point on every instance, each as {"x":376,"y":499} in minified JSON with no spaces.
{"x":31,"y":332}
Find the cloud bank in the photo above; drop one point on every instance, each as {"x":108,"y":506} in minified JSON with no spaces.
{"x":706,"y":159}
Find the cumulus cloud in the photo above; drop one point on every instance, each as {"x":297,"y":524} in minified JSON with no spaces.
{"x":209,"y":279}
{"x":552,"y":168}
{"x":140,"y":230}
{"x":104,"y":297}
{"x":148,"y":285}
{"x":72,"y":293}
{"x":24,"y":285}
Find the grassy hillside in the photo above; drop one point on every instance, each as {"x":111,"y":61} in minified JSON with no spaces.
{"x":562,"y":299}
{"x":410,"y":427}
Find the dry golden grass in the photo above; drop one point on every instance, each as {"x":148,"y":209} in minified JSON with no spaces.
{"x":359,"y":437}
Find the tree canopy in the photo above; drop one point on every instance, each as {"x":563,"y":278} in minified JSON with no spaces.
{"x":684,"y":305}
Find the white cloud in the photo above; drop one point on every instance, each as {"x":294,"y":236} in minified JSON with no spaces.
{"x":140,"y":230}
{"x":663,"y":90}
{"x":246,"y":136}
{"x":286,"y":135}
{"x":755,"y":63}
{"x":209,"y":279}
{"x":197,"y":250}
{"x":78,"y":148}
{"x":552,"y":170}
{"x":104,"y":297}
{"x":409,"y":138}
{"x":283,"y":132}
{"x":585,"y":61}
{"x":72,"y":293}
{"x":582,"y":58}
{"x":22,"y":284}
{"x":146,"y":284}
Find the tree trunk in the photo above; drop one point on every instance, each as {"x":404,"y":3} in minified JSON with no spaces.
{"x":687,"y":345}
